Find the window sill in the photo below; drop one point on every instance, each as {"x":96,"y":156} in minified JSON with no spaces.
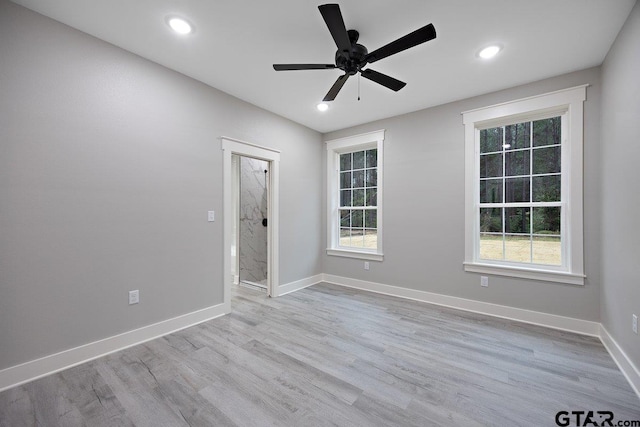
{"x":355,"y":254}
{"x":525,"y":273}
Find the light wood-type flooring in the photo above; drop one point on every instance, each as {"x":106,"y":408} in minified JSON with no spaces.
{"x":330,"y":355}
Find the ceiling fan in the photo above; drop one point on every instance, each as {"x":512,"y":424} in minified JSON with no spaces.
{"x":351,"y":57}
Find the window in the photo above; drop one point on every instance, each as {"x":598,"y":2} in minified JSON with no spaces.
{"x":354,"y":196}
{"x":524,"y":188}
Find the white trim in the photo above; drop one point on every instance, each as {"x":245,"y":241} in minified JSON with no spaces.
{"x":34,"y":369}
{"x":235,"y":218}
{"x":371,"y":256}
{"x":354,"y":141}
{"x":229,"y":147}
{"x":569,"y":103}
{"x":297,"y":285}
{"x":525,"y":273}
{"x":239,"y":141}
{"x":553,"y":321}
{"x":626,"y":365}
{"x":334,"y":148}
{"x":529,"y":98}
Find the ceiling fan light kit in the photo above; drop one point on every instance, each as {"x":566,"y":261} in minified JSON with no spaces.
{"x":352,"y":57}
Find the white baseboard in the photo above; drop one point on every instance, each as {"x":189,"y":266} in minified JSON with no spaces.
{"x":629,"y":370}
{"x":297,"y":285}
{"x":29,"y":371}
{"x":570,"y":324}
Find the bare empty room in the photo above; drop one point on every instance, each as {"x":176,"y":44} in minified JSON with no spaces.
{"x":291,"y":213}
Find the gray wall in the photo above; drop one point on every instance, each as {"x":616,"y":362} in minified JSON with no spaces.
{"x":253,"y":208}
{"x":424,"y":207}
{"x":108,"y":166}
{"x":620,"y":208}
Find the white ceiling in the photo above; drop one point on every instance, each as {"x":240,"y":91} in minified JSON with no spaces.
{"x":236,"y":42}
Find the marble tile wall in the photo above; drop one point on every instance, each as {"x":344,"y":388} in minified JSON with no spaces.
{"x":253,"y":208}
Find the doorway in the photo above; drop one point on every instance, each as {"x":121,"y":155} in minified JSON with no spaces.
{"x":259,"y":159}
{"x":250,"y":188}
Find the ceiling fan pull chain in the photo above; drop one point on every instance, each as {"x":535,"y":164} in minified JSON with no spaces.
{"x":359,"y":75}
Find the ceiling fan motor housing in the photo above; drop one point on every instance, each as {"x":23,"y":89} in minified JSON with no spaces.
{"x":351,"y":61}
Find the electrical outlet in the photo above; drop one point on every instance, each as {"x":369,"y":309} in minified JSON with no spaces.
{"x":134,"y":297}
{"x":484,"y":281}
{"x":211,"y":216}
{"x":366,"y":265}
{"x":634,"y":323}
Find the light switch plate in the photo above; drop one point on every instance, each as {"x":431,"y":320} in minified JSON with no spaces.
{"x":134,"y":297}
{"x":211,"y":216}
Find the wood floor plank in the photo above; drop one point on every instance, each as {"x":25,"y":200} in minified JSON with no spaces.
{"x":334,"y":356}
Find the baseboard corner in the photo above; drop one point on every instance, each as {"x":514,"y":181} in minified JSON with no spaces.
{"x":297,"y":285}
{"x":626,"y":365}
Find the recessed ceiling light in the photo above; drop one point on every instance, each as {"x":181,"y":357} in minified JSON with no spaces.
{"x":322,"y":106}
{"x":489,"y":52}
{"x":179,"y":25}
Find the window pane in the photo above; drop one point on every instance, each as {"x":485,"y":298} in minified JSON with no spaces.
{"x":516,"y":163}
{"x":547,"y":131}
{"x":358,"y":197}
{"x":371,"y":218}
{"x":547,"y":250}
{"x":491,"y":191}
{"x":546,"y":220}
{"x":371,"y":239}
{"x":345,"y":218}
{"x":358,"y":160}
{"x":491,"y":246}
{"x":546,"y":188}
{"x":345,"y":198}
{"x":372,"y":196}
{"x":358,"y":179}
{"x":345,"y":237}
{"x":345,"y":180}
{"x":490,"y":165}
{"x":491,"y":140}
{"x":372,"y":158}
{"x":516,"y":190}
{"x":345,"y":162}
{"x":516,"y":220}
{"x":517,"y":136}
{"x":357,"y":238}
{"x":357,"y":218}
{"x":371,"y":179}
{"x":491,"y":220}
{"x":517,"y":248}
{"x":546,"y":160}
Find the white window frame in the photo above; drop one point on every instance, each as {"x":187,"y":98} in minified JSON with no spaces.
{"x":336,"y":147}
{"x":569,"y":104}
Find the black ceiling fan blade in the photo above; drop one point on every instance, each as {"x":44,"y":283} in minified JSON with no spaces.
{"x":419,"y":36}
{"x":291,"y":67}
{"x":333,"y":92}
{"x":383,"y":79}
{"x":335,"y":23}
